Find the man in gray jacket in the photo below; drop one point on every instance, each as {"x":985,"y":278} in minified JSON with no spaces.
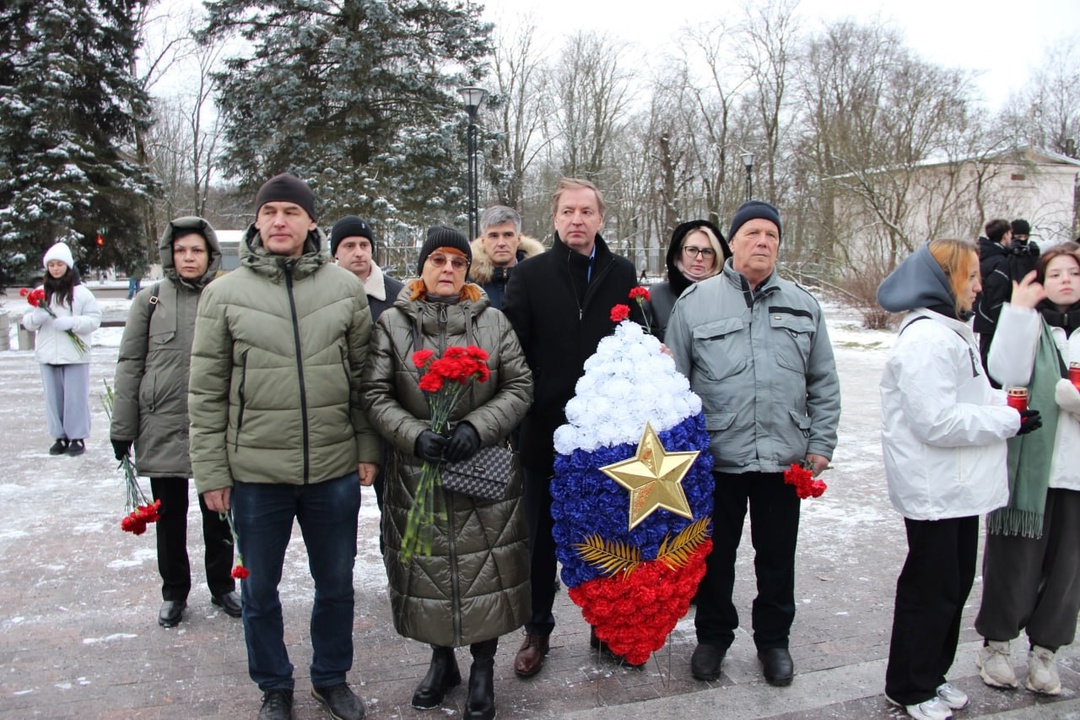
{"x":150,"y":411}
{"x":756,"y":351}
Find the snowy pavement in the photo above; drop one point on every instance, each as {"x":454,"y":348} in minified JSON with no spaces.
{"x":79,"y":598}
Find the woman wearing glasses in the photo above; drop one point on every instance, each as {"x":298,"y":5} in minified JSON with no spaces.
{"x":474,"y":585}
{"x":697,"y":251}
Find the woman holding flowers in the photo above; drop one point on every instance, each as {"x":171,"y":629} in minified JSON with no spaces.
{"x":468,"y":583}
{"x":65,"y":315}
{"x":943,"y":435}
{"x":1031,"y":562}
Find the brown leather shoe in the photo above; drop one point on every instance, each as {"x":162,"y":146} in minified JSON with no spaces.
{"x":530,"y":658}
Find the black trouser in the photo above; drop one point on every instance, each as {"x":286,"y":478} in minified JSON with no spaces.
{"x":930,"y":596}
{"x":543,"y":565}
{"x":774,"y":532}
{"x":172,"y":552}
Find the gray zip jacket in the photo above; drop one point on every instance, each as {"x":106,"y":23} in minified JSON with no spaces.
{"x":761,"y":361}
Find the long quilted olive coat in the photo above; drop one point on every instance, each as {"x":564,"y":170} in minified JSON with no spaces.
{"x":475,"y":584}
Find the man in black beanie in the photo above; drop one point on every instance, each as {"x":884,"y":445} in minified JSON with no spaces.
{"x":757,"y":352}
{"x":352,"y":245}
{"x":278,"y":435}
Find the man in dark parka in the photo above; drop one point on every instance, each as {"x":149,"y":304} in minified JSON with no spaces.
{"x":559,"y":303}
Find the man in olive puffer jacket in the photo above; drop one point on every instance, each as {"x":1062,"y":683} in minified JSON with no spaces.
{"x":277,"y":433}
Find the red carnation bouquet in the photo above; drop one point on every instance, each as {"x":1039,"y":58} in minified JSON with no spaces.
{"x":36,"y":298}
{"x":802,"y":477}
{"x":140,"y":511}
{"x":442,"y":380}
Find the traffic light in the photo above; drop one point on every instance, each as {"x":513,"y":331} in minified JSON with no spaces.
{"x":101,"y":237}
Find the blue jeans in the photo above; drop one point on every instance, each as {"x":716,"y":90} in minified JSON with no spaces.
{"x":327,"y":513}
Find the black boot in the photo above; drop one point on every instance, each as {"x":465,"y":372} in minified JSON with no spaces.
{"x":481,"y":702}
{"x":442,"y":675}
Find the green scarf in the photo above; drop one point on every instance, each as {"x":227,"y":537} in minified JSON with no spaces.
{"x":1030,"y":455}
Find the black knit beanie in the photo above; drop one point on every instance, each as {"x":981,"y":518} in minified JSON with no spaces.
{"x":1021,"y":227}
{"x":350,"y":226}
{"x":286,"y":188}
{"x":754,"y":210}
{"x":442,"y":236}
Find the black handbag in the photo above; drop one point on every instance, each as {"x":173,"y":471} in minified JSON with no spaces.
{"x":486,"y":475}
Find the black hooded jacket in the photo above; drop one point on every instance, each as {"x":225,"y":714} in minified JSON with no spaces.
{"x":664,"y":294}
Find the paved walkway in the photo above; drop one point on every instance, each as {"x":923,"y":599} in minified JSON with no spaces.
{"x":79,"y":598}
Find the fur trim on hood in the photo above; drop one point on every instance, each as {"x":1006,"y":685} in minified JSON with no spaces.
{"x":482,"y":270}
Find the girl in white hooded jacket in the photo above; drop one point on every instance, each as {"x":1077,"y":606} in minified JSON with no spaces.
{"x":65,"y":367}
{"x":943,"y":435}
{"x":1031,"y":564}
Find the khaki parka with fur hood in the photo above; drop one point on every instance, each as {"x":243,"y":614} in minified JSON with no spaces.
{"x":280,"y":347}
{"x":150,"y":404}
{"x":475,"y":584}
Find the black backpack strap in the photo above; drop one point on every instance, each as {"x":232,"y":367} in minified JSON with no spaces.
{"x":154,"y":294}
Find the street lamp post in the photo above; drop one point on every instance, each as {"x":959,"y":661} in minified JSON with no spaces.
{"x":472,"y":97}
{"x":748,"y":161}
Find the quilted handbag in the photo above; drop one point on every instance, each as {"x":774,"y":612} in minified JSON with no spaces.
{"x":486,"y":475}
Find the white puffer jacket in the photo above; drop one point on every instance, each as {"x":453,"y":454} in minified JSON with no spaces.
{"x":1011,"y":362}
{"x":54,"y":347}
{"x":943,"y":427}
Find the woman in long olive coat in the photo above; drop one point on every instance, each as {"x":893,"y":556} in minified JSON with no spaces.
{"x":474,"y":585}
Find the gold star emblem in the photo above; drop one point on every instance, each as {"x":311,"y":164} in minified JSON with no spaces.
{"x":654,"y":478}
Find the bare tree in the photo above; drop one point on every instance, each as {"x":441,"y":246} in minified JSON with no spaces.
{"x":520,"y":107}
{"x":591,"y":88}
{"x":770,"y":33}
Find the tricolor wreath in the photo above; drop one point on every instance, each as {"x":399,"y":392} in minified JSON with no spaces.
{"x":632,"y":494}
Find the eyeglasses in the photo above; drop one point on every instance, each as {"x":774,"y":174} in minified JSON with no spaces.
{"x":691,"y":251}
{"x":457,"y":263}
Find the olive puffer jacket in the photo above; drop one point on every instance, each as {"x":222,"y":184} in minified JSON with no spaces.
{"x":475,"y":584}
{"x":274,"y":395}
{"x":151,"y":385}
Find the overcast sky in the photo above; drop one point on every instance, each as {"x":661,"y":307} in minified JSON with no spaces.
{"x":1001,"y":40}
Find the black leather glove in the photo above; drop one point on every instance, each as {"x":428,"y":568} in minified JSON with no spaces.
{"x":463,"y":443}
{"x":1030,"y":420}
{"x":122,"y":448}
{"x":430,"y":446}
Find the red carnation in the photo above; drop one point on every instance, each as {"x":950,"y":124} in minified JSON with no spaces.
{"x":640,"y":294}
{"x":240,"y":572}
{"x":421,"y":358}
{"x":620,"y":313}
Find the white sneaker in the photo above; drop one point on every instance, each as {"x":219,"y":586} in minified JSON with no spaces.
{"x":995,"y":665}
{"x":932,"y":709}
{"x":1042,"y":672}
{"x":952,"y":696}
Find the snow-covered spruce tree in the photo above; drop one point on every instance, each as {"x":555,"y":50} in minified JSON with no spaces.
{"x":358,"y":97}
{"x":68,"y":108}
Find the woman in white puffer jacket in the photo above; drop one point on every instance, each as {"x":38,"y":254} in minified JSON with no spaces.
{"x":1031,"y":566}
{"x":65,"y":366}
{"x":943,"y":435}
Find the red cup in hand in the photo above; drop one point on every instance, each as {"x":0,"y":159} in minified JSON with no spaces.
{"x":1017,"y":398}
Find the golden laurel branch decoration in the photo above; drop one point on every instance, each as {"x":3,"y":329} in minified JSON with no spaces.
{"x":612,"y":558}
{"x":677,"y":554}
